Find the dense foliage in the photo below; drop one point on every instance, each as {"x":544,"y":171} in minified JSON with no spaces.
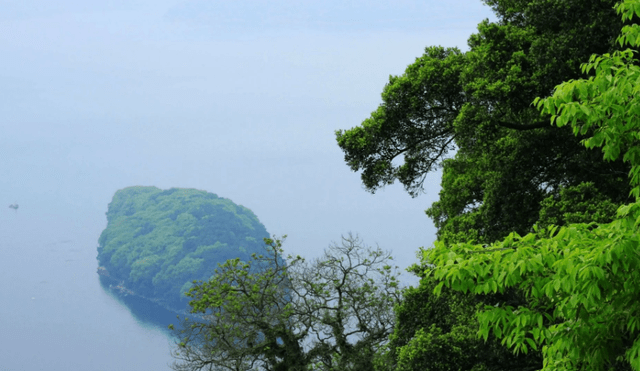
{"x":158,"y":241}
{"x":435,"y":333}
{"x":333,"y":313}
{"x":509,"y":162}
{"x":581,"y":283}
{"x":511,"y":171}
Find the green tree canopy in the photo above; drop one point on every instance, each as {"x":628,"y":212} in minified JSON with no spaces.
{"x":511,"y":169}
{"x":157,"y":242}
{"x":582,"y":283}
{"x":508,"y":159}
{"x":439,"y":332}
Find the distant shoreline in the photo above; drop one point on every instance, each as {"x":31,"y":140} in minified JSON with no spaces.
{"x":131,"y":298}
{"x":117,"y":286}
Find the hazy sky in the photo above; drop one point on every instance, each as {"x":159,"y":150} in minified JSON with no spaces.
{"x":239,"y":98}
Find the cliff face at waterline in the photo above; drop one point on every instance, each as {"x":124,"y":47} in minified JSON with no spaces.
{"x":157,"y":242}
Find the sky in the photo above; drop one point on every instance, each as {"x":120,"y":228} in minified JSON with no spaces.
{"x":238,"y":98}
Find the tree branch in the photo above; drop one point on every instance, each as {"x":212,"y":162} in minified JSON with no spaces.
{"x":538,"y":125}
{"x":490,"y":250}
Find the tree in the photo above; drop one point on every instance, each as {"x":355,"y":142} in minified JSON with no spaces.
{"x":508,"y":159}
{"x":511,"y":169}
{"x":269,"y":313}
{"x":157,"y":242}
{"x":582,"y":282}
{"x":435,"y":333}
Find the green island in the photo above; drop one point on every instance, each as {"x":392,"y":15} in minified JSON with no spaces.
{"x":157,"y":242}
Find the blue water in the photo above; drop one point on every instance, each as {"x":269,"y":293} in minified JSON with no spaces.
{"x":54,"y":313}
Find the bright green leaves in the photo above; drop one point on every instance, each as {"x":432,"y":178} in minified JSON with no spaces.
{"x":511,"y":167}
{"x":519,"y":329}
{"x":582,"y":282}
{"x":569,"y":280}
{"x":440,"y":332}
{"x":606,"y":103}
{"x":627,"y":9}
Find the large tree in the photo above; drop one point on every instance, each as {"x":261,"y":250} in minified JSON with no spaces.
{"x":510,"y":168}
{"x":509,"y":161}
{"x":333,"y":313}
{"x":583,"y":281}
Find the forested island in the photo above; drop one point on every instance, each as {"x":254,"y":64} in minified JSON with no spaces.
{"x":157,"y":242}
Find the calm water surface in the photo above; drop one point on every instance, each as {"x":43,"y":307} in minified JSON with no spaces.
{"x":54,"y":314}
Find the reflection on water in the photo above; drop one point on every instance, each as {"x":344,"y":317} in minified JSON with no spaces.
{"x":148,"y":314}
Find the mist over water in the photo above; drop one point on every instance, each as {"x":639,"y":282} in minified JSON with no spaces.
{"x":99,"y":96}
{"x":55,"y":315}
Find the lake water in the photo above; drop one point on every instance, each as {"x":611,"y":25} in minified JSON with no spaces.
{"x":54,"y":314}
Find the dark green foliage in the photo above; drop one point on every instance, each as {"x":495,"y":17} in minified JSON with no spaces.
{"x":580,"y":281}
{"x":158,"y":242}
{"x":438,"y":333}
{"x":416,"y":121}
{"x":509,"y":158}
{"x":511,"y":170}
{"x":579,"y":204}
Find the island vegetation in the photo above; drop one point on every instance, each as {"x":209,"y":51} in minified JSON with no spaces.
{"x":157,"y":242}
